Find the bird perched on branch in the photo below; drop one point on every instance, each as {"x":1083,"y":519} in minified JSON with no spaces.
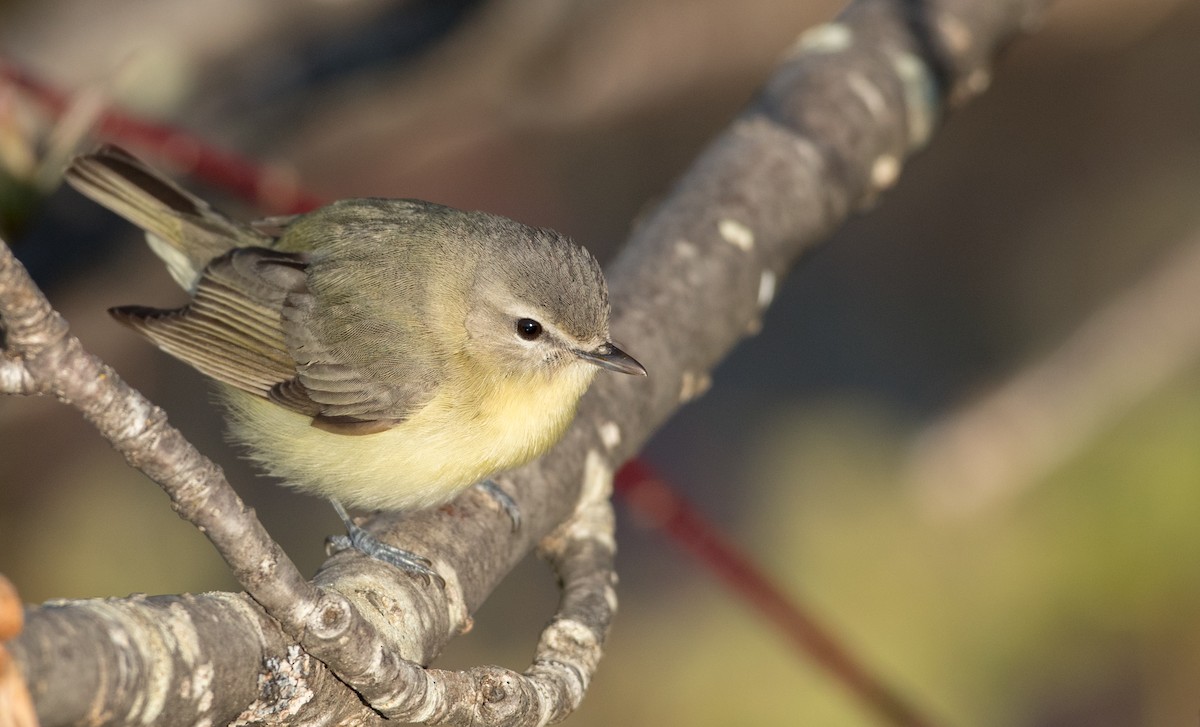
{"x":384,"y":353}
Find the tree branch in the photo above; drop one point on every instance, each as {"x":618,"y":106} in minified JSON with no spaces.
{"x":14,"y":377}
{"x":827,"y":134}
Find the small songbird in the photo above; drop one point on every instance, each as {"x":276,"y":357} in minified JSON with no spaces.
{"x":384,"y":353}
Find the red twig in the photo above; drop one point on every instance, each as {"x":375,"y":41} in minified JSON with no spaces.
{"x":646,"y":493}
{"x":275,"y":190}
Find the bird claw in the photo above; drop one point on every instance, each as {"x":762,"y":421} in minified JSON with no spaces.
{"x":357,"y":538}
{"x":504,"y":500}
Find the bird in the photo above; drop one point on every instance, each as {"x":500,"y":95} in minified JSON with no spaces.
{"x":383,"y":353}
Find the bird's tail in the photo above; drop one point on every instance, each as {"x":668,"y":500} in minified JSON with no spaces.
{"x":181,"y":228}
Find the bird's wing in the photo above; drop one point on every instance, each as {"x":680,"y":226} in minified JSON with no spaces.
{"x":341,"y":373}
{"x":230,"y":330}
{"x":249,"y":325}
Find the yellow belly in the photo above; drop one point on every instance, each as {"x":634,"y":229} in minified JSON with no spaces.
{"x":447,"y":446}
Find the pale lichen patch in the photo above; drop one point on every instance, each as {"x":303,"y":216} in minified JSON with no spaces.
{"x":597,"y":479}
{"x":685,"y":249}
{"x":955,"y":34}
{"x":736,"y":234}
{"x":266,"y":567}
{"x":610,"y":598}
{"x":978,"y":81}
{"x":766,"y":288}
{"x":283,"y":690}
{"x":183,"y":631}
{"x":568,"y":634}
{"x":824,"y":38}
{"x":884,"y":171}
{"x":201,"y":686}
{"x":868,"y":93}
{"x":921,"y":97}
{"x":693,"y":384}
{"x":610,"y":435}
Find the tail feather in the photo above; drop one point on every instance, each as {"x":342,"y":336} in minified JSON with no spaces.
{"x":182,"y":229}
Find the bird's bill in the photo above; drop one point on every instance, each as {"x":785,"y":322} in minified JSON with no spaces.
{"x":608,"y":356}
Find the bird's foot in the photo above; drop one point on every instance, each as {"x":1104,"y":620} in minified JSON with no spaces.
{"x":506,"y":503}
{"x":362,"y":541}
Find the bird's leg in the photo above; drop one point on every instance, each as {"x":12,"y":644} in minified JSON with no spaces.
{"x":506,"y":503}
{"x":359,"y":539}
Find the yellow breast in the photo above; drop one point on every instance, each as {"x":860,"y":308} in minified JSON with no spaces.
{"x":462,"y":436}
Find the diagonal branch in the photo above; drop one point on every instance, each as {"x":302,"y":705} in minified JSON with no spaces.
{"x":54,"y":363}
{"x":827,"y":134}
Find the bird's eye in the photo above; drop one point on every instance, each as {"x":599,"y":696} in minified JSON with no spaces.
{"x":529,"y":329}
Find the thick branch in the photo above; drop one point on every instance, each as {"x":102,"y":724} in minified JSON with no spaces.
{"x":826,"y":135}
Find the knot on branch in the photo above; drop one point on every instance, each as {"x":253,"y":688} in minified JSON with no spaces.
{"x":506,"y":698}
{"x":332,"y":617}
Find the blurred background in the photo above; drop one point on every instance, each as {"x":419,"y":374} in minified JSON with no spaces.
{"x":967,"y":436}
